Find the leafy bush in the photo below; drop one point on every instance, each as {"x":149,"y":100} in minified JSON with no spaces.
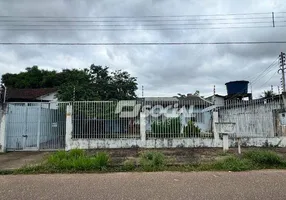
{"x":151,"y":160}
{"x":172,"y":127}
{"x":263,"y":157}
{"x":191,"y":129}
{"x":166,"y":126}
{"x":233,"y":164}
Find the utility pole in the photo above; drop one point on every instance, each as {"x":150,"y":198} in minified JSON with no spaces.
{"x":282,"y":69}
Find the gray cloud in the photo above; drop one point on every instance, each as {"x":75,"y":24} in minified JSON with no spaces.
{"x":163,"y":70}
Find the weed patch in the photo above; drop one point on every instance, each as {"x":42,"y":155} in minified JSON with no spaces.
{"x":232,"y":164}
{"x":264,"y":158}
{"x":152,"y":160}
{"x":77,"y":160}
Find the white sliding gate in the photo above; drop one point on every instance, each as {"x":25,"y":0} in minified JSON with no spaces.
{"x":35,"y":126}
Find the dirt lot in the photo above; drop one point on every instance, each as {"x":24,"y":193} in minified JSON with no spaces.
{"x":14,"y":160}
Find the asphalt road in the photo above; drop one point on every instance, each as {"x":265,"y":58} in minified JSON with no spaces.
{"x":164,"y":185}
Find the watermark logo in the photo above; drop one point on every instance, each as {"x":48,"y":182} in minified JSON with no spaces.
{"x":131,"y":109}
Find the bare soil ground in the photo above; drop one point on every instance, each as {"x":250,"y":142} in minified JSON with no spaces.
{"x":14,"y":160}
{"x":176,"y":156}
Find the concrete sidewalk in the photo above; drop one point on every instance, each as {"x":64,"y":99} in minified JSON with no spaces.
{"x":262,"y":185}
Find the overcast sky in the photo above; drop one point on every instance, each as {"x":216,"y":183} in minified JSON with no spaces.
{"x":163,"y":70}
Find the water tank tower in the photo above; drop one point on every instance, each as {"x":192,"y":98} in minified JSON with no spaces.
{"x":238,"y":90}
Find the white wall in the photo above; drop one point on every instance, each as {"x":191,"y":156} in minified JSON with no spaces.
{"x":256,"y":120}
{"x":49,"y":97}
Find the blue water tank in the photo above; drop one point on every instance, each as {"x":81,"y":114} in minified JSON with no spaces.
{"x":237,"y":87}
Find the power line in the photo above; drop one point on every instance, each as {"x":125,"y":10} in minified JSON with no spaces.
{"x":142,"y":16}
{"x":269,"y":79}
{"x":138,"y":29}
{"x":138,"y":20}
{"x":265,"y":71}
{"x":252,"y":82}
{"x":139,"y":43}
{"x":127,"y":25}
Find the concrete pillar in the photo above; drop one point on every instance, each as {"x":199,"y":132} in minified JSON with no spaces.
{"x":225,"y":145}
{"x":143,"y":129}
{"x":68,"y":127}
{"x":3,"y":117}
{"x":215,"y":119}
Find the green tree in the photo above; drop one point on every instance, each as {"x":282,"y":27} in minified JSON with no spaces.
{"x":267,"y":94}
{"x":93,"y":83}
{"x":33,"y":77}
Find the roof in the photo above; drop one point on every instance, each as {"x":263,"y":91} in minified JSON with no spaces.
{"x":195,"y":100}
{"x":216,"y":95}
{"x":189,"y":100}
{"x":28,"y":94}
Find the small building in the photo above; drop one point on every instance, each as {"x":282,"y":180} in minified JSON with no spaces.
{"x":31,"y":95}
{"x":216,"y":99}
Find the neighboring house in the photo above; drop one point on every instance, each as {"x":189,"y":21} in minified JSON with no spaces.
{"x":31,"y":95}
{"x":187,"y":108}
{"x":216,"y":99}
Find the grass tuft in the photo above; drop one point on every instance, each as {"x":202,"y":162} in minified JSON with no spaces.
{"x":129,"y":165}
{"x":77,"y":160}
{"x":232,"y":164}
{"x":152,"y":161}
{"x":264,"y":157}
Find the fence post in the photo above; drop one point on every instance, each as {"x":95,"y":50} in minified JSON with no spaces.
{"x":225,"y":145}
{"x":39,"y":126}
{"x":215,"y":119}
{"x":68,"y":127}
{"x":3,"y":131}
{"x":143,"y":129}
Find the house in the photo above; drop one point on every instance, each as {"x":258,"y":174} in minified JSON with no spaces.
{"x":187,"y":108}
{"x":31,"y":95}
{"x":216,"y":99}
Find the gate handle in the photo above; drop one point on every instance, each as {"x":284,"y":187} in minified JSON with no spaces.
{"x":25,"y":136}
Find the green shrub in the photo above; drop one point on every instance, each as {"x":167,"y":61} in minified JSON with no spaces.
{"x":151,"y":160}
{"x":263,"y":157}
{"x":191,"y":129}
{"x":129,"y":164}
{"x":172,"y":127}
{"x":101,"y":160}
{"x":233,"y":164}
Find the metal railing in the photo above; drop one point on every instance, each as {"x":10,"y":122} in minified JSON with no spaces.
{"x":99,"y":119}
{"x":169,"y":118}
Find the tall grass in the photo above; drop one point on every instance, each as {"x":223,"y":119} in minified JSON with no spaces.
{"x":77,"y":159}
{"x":152,"y":160}
{"x":264,"y":157}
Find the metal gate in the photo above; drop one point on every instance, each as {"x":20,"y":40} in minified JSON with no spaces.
{"x":36,"y":126}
